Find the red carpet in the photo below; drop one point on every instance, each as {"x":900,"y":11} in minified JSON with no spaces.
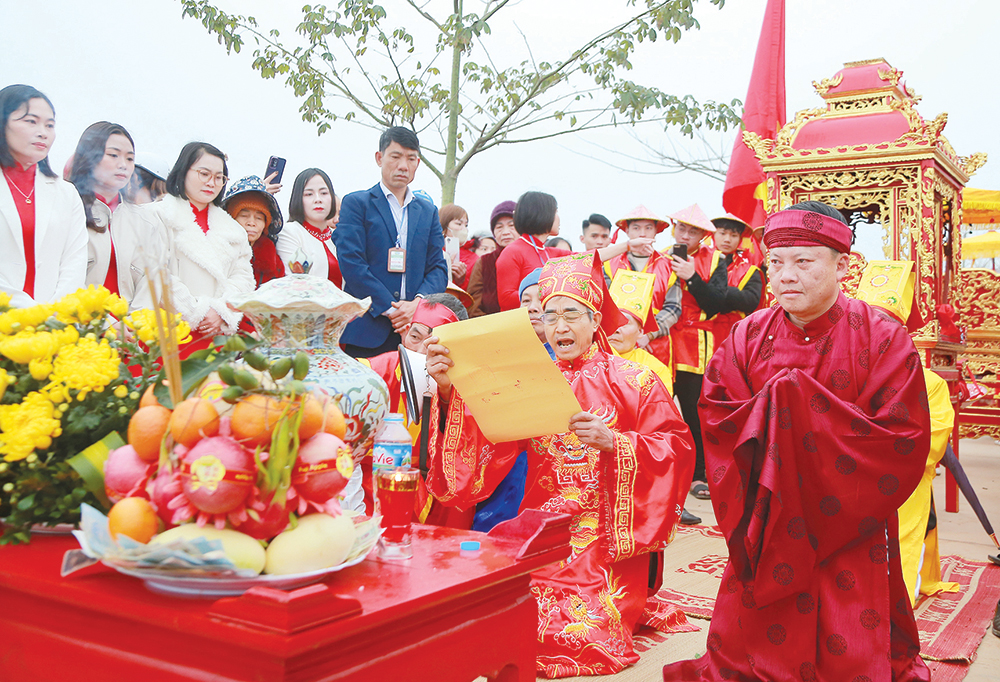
{"x":951,"y":625}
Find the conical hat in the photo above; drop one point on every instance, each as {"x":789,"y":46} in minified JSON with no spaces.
{"x":694,"y":216}
{"x":640,"y":212}
{"x":730,"y":216}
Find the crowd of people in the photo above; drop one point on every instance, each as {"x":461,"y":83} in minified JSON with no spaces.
{"x":802,"y":414}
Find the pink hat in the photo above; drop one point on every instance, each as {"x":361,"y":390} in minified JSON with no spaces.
{"x":694,"y":216}
{"x":640,"y":212}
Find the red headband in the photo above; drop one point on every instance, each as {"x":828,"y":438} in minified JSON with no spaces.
{"x":794,"y":227}
{"x":433,"y":314}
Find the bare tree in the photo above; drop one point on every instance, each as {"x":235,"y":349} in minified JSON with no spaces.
{"x":352,"y":63}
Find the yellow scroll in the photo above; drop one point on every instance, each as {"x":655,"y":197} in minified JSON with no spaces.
{"x":506,"y":377}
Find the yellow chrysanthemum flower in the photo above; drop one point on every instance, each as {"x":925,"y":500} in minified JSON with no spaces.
{"x":26,"y":346}
{"x":18,"y":319}
{"x":86,"y":305}
{"x":4,"y":382}
{"x":143,"y":322}
{"x":27,"y":426}
{"x":87,"y":366}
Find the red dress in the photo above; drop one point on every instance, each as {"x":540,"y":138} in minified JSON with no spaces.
{"x":624,"y":504}
{"x":813,"y":438}
{"x":518,"y":260}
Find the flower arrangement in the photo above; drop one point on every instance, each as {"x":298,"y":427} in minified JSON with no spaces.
{"x":65,"y":388}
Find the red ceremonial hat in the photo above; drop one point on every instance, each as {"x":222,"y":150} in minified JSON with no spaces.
{"x":580,"y":277}
{"x":433,"y":314}
{"x":640,"y":212}
{"x":794,"y":227}
{"x":693,"y":215}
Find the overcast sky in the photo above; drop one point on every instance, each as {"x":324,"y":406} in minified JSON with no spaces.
{"x":168,"y":82}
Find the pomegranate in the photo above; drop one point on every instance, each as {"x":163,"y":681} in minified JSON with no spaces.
{"x":321,"y":471}
{"x":126,"y":474}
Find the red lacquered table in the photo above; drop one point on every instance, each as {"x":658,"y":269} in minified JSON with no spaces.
{"x":444,"y":615}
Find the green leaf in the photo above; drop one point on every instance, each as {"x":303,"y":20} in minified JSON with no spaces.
{"x":25,"y":503}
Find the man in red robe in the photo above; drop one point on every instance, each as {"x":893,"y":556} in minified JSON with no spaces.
{"x":621,"y":470}
{"x":816,"y":424}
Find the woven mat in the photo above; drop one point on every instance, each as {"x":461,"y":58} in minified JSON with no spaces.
{"x":951,"y":625}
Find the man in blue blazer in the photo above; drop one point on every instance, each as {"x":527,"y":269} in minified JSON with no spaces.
{"x":390,"y":246}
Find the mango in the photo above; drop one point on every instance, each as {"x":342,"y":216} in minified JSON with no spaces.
{"x":319,"y":541}
{"x":240,"y":548}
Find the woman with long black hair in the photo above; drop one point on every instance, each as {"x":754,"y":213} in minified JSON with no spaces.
{"x":119,"y":238}
{"x":43,"y":236}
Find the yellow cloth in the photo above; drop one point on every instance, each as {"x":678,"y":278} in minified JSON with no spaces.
{"x":914,"y":540}
{"x":659,"y":369}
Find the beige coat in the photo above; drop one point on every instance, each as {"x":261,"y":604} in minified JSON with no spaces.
{"x":60,"y":241}
{"x":204,"y":269}
{"x":131,"y":234}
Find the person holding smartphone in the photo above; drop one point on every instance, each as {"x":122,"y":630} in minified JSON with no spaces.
{"x":455,"y":224}
{"x":306,"y":242}
{"x":702,"y":278}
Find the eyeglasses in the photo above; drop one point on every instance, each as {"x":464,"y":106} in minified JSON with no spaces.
{"x":570,"y":316}
{"x":205,"y":176}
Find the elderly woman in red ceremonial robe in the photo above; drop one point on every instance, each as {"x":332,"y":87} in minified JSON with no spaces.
{"x":621,"y":471}
{"x":816,"y":430}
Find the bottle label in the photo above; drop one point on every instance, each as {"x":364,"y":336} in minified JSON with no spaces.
{"x":391,"y":455}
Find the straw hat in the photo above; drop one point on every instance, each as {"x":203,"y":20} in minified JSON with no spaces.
{"x":640,"y":212}
{"x":694,"y":216}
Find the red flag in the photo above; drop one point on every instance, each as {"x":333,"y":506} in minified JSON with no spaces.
{"x":763,"y":113}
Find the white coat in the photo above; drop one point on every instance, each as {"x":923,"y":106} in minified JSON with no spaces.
{"x":60,"y":242}
{"x":130,"y":233}
{"x":295,"y":244}
{"x":204,"y":269}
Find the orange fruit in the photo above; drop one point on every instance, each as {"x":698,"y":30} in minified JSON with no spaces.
{"x":333,"y":420}
{"x":134,"y":517}
{"x":253,"y":419}
{"x":192,"y":420}
{"x":148,"y":398}
{"x":312,"y":418}
{"x":146,"y":430}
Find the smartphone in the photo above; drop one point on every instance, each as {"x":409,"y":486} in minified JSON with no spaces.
{"x":275,"y":163}
{"x":452,"y":246}
{"x":680,"y":250}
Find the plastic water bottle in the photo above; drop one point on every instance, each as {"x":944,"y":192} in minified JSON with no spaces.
{"x":393,"y":444}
